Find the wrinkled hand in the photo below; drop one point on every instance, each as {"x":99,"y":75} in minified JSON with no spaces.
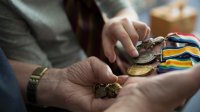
{"x":127,"y":31}
{"x":161,"y":93}
{"x":74,"y":84}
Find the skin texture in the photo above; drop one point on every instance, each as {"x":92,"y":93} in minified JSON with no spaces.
{"x":162,"y":93}
{"x":71,"y":87}
{"x":126,"y":28}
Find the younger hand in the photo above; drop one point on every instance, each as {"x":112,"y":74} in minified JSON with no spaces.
{"x":125,"y":30}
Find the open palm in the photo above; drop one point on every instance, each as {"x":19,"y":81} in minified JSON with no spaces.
{"x":76,"y":86}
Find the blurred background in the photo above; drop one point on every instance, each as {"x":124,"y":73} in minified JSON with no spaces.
{"x":145,"y":7}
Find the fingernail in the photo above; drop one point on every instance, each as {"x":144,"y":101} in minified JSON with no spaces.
{"x":134,"y":53}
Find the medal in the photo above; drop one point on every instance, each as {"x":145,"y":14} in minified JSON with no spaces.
{"x":145,"y":57}
{"x":100,"y":90}
{"x":158,"y":40}
{"x":106,"y":90}
{"x":139,"y":70}
{"x":113,"y":90}
{"x":184,"y":38}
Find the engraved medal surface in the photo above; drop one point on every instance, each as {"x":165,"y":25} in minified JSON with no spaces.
{"x":145,"y":57}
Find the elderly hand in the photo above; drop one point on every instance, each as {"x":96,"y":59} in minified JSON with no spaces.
{"x":161,"y":93}
{"x":72,"y":86}
{"x":127,"y":30}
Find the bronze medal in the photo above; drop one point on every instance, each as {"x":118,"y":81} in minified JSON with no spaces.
{"x":113,"y":90}
{"x":139,"y":70}
{"x":100,"y":90}
{"x":106,"y":90}
{"x":145,"y":57}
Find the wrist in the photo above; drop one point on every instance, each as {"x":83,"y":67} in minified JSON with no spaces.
{"x":47,"y":86}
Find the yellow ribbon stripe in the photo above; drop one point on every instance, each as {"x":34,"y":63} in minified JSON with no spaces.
{"x":177,"y":63}
{"x":177,"y":52}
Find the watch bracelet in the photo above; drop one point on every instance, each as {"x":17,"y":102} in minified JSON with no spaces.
{"x":33,"y":83}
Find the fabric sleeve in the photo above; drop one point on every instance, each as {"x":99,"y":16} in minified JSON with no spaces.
{"x":16,"y":38}
{"x":11,"y":100}
{"x":112,"y":7}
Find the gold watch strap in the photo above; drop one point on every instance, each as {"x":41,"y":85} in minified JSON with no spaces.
{"x":33,"y":83}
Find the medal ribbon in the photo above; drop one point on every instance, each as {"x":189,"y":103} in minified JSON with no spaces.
{"x":175,"y":64}
{"x":184,"y":38}
{"x":180,"y":52}
{"x":180,"y":58}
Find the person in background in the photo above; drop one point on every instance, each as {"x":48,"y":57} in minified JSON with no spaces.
{"x":37,"y":34}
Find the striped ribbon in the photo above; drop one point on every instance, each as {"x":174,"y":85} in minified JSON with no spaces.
{"x":180,"y":58}
{"x":184,"y":38}
{"x":175,"y":64}
{"x":180,"y":52}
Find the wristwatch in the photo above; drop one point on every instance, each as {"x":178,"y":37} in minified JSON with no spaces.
{"x":33,"y":83}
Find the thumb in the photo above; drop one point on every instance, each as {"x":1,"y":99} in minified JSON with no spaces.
{"x":102,"y":72}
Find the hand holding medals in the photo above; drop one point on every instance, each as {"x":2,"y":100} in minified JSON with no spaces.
{"x":148,"y":56}
{"x":173,"y":56}
{"x":177,"y":51}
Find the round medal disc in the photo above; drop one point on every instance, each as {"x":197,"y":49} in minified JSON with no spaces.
{"x":139,"y":70}
{"x":145,"y":57}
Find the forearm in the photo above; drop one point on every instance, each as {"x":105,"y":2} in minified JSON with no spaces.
{"x":23,"y":72}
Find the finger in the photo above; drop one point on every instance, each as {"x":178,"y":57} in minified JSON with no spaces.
{"x":142,"y":29}
{"x":102,"y":72}
{"x":120,"y":33}
{"x":108,"y":47}
{"x":185,"y":83}
{"x":147,"y":34}
{"x":121,"y":65}
{"x":122,"y":79}
{"x":128,"y":26}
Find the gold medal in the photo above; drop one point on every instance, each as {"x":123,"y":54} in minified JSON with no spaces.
{"x":139,"y":70}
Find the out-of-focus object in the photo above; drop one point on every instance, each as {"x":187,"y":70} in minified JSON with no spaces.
{"x":173,"y":17}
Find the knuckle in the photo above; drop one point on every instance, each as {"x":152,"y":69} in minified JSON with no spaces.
{"x":134,"y":36}
{"x":92,"y":59}
{"x":125,"y":20}
{"x":144,"y":26}
{"x":114,"y":25}
{"x":123,"y":35}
